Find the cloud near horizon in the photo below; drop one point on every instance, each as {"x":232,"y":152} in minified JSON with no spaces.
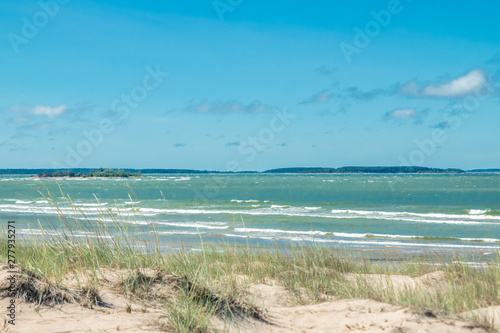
{"x":403,"y":114}
{"x":38,"y":110}
{"x":324,"y":70}
{"x":354,"y":93}
{"x":226,"y":107}
{"x":48,"y":111}
{"x":442,"y":125}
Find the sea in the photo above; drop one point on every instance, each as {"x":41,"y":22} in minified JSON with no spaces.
{"x":406,"y":214}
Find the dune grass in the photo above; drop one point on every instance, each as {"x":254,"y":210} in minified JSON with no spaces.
{"x":196,"y":288}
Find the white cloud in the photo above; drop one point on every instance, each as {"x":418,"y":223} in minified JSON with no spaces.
{"x":474,"y":82}
{"x":48,"y":111}
{"x":462,"y":86}
{"x":403,"y":114}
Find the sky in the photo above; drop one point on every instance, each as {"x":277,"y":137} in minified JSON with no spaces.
{"x":236,"y":85}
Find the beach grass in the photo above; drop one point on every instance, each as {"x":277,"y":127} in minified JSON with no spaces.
{"x":196,"y":288}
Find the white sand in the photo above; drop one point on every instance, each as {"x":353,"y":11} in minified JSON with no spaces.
{"x":361,"y":315}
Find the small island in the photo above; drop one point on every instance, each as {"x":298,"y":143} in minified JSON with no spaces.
{"x":101,"y":173}
{"x":366,"y":169}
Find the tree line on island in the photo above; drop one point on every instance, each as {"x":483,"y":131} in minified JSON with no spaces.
{"x":86,"y":172}
{"x":91,"y":174}
{"x":364,"y":169}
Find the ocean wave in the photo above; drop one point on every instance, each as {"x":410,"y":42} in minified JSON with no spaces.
{"x":116,"y":220}
{"x":336,"y":214}
{"x":199,"y":225}
{"x":16,"y":208}
{"x":77,"y":234}
{"x":241,"y":200}
{"x":180,"y":179}
{"x":405,"y":214}
{"x":362,"y":235}
{"x":363,"y":242}
{"x":280,"y":206}
{"x":180,"y":232}
{"x":93,"y":236}
{"x":485,"y":240}
{"x":478,"y":211}
{"x":473,"y":217}
{"x":278,"y":231}
{"x":417,"y":220}
{"x":76,"y":210}
{"x":90,"y":204}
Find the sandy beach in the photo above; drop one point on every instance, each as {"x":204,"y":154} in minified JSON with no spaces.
{"x":279,"y":312}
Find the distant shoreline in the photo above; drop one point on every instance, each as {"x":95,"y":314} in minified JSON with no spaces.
{"x":290,"y":170}
{"x":101,"y":173}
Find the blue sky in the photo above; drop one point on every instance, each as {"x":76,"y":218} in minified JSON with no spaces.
{"x":249,"y":85}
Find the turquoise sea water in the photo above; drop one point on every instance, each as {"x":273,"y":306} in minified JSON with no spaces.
{"x":414,"y":213}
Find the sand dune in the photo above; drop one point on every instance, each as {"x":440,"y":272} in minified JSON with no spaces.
{"x":117,"y":313}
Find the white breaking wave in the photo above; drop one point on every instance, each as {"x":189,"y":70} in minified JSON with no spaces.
{"x":478,"y":211}
{"x":78,"y":234}
{"x":277,"y":231}
{"x":180,"y":232}
{"x":241,"y":200}
{"x":200,"y":225}
{"x":378,"y":243}
{"x":464,"y":219}
{"x":23,"y":202}
{"x":337,"y":214}
{"x":78,"y":210}
{"x":357,"y":235}
{"x":486,"y":240}
{"x":374,"y":214}
{"x":182,"y":179}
